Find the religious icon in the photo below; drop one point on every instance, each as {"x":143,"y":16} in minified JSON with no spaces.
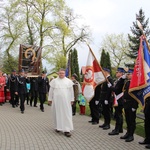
{"x":30,"y":59}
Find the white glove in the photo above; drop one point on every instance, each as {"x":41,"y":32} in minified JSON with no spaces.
{"x":106,"y":102}
{"x":124,"y":76}
{"x":109,"y":84}
{"x":96,"y":102}
{"x":133,"y":109}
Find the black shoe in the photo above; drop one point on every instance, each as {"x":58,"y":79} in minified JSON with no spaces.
{"x":57,"y":131}
{"x":94,"y":123}
{"x":129,"y":139}
{"x":102,"y":126}
{"x":13,"y":106}
{"x":35,"y":106}
{"x":42,"y":110}
{"x":90,"y":121}
{"x":114,"y":132}
{"x":120,"y":130}
{"x":144,"y":142}
{"x":147,"y":146}
{"x":125,"y":136}
{"x":22,"y":112}
{"x":106,"y":127}
{"x":67,"y":134}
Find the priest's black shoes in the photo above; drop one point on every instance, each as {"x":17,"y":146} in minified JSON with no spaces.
{"x":129,"y":139}
{"x":147,"y":146}
{"x":67,"y":134}
{"x":57,"y":131}
{"x":114,"y":132}
{"x":90,"y":121}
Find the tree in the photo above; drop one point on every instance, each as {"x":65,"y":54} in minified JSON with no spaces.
{"x":74,"y":63}
{"x":49,"y":24}
{"x":12,"y":28}
{"x":117,"y":46}
{"x":105,"y":60}
{"x":134,"y":39}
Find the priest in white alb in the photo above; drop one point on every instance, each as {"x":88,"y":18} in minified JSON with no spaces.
{"x":61,"y":96}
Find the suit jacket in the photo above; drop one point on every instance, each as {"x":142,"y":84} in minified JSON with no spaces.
{"x":117,"y":88}
{"x":128,"y":101}
{"x":11,"y":84}
{"x":105,"y":91}
{"x":43,"y":85}
{"x":21,"y":87}
{"x":34,"y":84}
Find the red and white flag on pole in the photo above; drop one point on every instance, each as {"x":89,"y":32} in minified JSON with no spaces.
{"x":93,"y":76}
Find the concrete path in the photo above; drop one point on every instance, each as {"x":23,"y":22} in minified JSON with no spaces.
{"x":33,"y":130}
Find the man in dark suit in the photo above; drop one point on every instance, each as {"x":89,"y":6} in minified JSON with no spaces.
{"x":105,"y":98}
{"x":130,"y":106}
{"x":117,"y":89}
{"x":43,"y":88}
{"x":11,"y":84}
{"x":21,"y":89}
{"x":94,"y":106}
{"x":34,"y":90}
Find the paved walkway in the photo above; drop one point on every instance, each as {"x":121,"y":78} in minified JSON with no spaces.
{"x":33,"y":130}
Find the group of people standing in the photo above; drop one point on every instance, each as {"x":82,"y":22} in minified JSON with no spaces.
{"x":105,"y":94}
{"x":116,"y":94}
{"x":25,"y":88}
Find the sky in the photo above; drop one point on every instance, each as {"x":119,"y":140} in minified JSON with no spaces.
{"x":106,"y":17}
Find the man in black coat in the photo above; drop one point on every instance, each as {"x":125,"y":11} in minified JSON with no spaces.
{"x":11,"y":84}
{"x":21,"y":89}
{"x":34,"y":90}
{"x":43,"y":88}
{"x":105,"y":98}
{"x":117,"y":89}
{"x":130,"y":106}
{"x":94,"y":106}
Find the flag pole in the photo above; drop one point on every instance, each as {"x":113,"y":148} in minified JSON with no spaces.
{"x":96,"y":60}
{"x":141,"y":28}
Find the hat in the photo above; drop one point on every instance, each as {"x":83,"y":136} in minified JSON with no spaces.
{"x":106,"y":69}
{"x":75,"y":75}
{"x":22,"y":70}
{"x":120,"y":70}
{"x":130,"y":71}
{"x":13,"y":70}
{"x":44,"y":72}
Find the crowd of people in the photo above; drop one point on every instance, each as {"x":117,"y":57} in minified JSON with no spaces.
{"x":64,"y":94}
{"x":21,"y":88}
{"x":115,"y":94}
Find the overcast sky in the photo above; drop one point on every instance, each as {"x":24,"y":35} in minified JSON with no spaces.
{"x":106,"y":17}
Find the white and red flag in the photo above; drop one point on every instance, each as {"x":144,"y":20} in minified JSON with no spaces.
{"x":93,"y":76}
